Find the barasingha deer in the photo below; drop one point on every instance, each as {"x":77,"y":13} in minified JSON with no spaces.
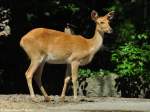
{"x":54,"y":47}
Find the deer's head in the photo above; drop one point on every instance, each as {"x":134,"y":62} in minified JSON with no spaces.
{"x":102,"y":22}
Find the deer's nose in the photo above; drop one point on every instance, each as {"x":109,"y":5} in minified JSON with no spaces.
{"x":110,"y":30}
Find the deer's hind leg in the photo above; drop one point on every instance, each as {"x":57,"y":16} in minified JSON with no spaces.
{"x":29,"y":75}
{"x":37,"y":78}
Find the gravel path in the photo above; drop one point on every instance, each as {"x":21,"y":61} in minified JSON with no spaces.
{"x":23,"y":103}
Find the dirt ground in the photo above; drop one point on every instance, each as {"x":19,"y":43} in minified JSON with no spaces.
{"x":23,"y":103}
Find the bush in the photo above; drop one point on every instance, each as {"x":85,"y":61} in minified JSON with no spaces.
{"x":90,"y":73}
{"x":132,"y":58}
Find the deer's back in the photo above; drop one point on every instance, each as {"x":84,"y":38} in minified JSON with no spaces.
{"x":56,"y":43}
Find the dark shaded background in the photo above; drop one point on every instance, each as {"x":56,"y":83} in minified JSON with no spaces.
{"x":49,"y":14}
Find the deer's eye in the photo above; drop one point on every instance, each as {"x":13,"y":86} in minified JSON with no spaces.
{"x":101,"y":22}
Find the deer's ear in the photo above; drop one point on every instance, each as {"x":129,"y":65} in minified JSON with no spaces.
{"x":110,"y":15}
{"x":94,"y":15}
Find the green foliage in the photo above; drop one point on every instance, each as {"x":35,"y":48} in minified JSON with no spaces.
{"x":90,"y":73}
{"x":125,"y":29}
{"x":72,"y":7}
{"x":125,"y":57}
{"x":132,"y":59}
{"x":131,"y":55}
{"x":115,"y":7}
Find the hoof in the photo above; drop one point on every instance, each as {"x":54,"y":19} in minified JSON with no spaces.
{"x":62,"y":99}
{"x":76,"y":99}
{"x":33,"y":99}
{"x":47,"y":99}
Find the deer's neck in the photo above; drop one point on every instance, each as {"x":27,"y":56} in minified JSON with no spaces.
{"x":96,"y":41}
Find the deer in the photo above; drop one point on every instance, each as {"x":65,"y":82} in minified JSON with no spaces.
{"x":43,"y":45}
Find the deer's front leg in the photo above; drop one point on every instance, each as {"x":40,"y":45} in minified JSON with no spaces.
{"x":66,"y":81}
{"x":74,"y":70}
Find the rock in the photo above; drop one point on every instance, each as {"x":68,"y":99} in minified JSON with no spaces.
{"x":99,"y":86}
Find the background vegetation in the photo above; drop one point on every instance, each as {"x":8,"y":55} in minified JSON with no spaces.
{"x":126,"y":52}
